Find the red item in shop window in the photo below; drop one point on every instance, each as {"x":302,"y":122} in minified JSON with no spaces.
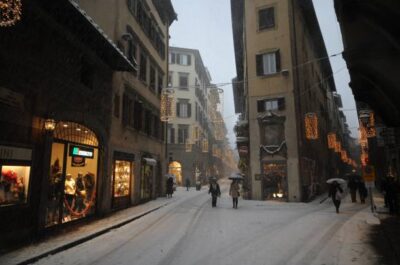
{"x":10,"y":176}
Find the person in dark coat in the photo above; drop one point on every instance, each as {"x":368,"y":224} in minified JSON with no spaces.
{"x":362,"y":191}
{"x":334,"y":190}
{"x":187,"y":182}
{"x":170,"y":187}
{"x":215,"y":192}
{"x":353,"y":185}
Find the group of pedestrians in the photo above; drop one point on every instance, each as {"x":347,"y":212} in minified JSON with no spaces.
{"x":356,"y":185}
{"x":215,"y":192}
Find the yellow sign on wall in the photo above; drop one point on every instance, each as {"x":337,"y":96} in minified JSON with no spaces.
{"x":369,"y":173}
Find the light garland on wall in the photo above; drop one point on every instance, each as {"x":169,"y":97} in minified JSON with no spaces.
{"x":311,"y":126}
{"x":331,"y":140}
{"x":338,"y":147}
{"x":10,"y":12}
{"x":167,"y":111}
{"x":343,"y":155}
{"x":204,"y":146}
{"x":188,"y":146}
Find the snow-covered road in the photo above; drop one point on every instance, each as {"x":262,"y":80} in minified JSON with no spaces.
{"x":190,"y":232}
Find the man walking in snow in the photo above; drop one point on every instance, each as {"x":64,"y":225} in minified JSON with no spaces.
{"x":215,"y":192}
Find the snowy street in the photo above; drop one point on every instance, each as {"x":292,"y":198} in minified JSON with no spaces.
{"x":189,"y":231}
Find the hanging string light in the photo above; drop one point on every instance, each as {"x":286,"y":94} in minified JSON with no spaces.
{"x":167,"y":112}
{"x":10,"y":12}
{"x":371,"y":131}
{"x":331,"y":140}
{"x":188,"y":146}
{"x":204,"y":146}
{"x":343,"y":155}
{"x":195,"y":133}
{"x":311,"y":126}
{"x":338,"y":147}
{"x":363,"y":135}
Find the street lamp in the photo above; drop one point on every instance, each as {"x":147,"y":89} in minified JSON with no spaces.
{"x":49,"y":125}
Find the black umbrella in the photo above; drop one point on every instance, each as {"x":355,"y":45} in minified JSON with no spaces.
{"x":236,"y":176}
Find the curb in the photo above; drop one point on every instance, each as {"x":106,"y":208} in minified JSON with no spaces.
{"x":88,"y":237}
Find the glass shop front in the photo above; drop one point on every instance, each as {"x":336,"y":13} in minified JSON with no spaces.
{"x":274,"y":181}
{"x":123,"y":176}
{"x":73,"y":174}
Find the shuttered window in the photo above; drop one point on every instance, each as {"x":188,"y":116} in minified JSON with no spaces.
{"x":268,"y":63}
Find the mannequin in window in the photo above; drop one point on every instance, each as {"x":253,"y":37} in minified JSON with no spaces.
{"x":69,"y":190}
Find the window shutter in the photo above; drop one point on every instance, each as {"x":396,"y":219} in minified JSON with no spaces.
{"x":172,"y":140}
{"x":179,"y":136}
{"x":173,"y":59}
{"x":281,"y":103}
{"x":189,"y":111}
{"x":278,"y":61}
{"x":260,"y":106}
{"x":259,"y":66}
{"x":125,"y":109}
{"x":189,"y":59}
{"x":178,"y":58}
{"x":178,"y":113}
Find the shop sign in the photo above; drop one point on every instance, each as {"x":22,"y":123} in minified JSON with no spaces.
{"x":11,"y":98}
{"x":15,"y":153}
{"x":75,"y":150}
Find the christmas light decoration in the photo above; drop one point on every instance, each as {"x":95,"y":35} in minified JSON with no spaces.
{"x":343,"y":155}
{"x":338,"y":147}
{"x":10,"y":12}
{"x":167,"y":112}
{"x":188,"y":146}
{"x":204,"y":146}
{"x":311,"y":126}
{"x":331,"y":140}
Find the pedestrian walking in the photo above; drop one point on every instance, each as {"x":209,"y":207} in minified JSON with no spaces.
{"x":170,"y":186}
{"x":215,"y":191}
{"x":353,"y":185}
{"x":362,"y":191}
{"x":187,"y":182}
{"x":391,"y":194}
{"x":336,"y":193}
{"x":234,"y":193}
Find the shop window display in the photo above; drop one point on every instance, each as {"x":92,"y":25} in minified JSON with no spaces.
{"x":122,"y":178}
{"x":14,"y":184}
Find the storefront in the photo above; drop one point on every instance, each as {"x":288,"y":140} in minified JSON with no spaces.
{"x":175,"y":168}
{"x":123,"y":179}
{"x":147,"y":178}
{"x":15,"y":168}
{"x":72,"y":182}
{"x":274,"y":182}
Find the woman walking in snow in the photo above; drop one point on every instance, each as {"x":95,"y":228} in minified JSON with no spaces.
{"x":234,"y":192}
{"x":335,"y":191}
{"x":215,"y":191}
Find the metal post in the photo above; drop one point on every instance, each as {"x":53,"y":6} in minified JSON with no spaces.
{"x":371,"y":200}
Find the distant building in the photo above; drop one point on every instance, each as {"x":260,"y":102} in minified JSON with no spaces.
{"x":283,"y":79}
{"x":196,"y":137}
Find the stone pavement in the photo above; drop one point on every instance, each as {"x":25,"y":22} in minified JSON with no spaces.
{"x":81,"y":233}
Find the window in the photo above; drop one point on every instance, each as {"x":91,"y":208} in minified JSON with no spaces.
{"x":152,"y":78}
{"x":171,"y":134}
{"x":266,"y":18}
{"x":183,"y":109}
{"x":148,"y":122}
{"x":170,"y":78}
{"x":271,"y":104}
{"x":183,"y":133}
{"x":132,"y":56}
{"x":132,"y":6}
{"x":14,"y":184}
{"x":126,"y":110}
{"x":143,"y":67}
{"x":183,"y":81}
{"x":268,"y":63}
{"x":123,"y":171}
{"x":116,"y":105}
{"x":184,"y":59}
{"x":171,"y":58}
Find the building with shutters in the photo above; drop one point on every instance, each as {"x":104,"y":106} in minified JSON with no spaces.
{"x":283,"y":79}
{"x":191,"y":135}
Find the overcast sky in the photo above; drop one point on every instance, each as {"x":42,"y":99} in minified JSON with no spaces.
{"x":206,"y":25}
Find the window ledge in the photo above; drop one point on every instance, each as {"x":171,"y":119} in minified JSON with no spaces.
{"x":269,"y":75}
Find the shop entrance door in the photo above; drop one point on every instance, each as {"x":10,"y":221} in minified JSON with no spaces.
{"x":73,"y":175}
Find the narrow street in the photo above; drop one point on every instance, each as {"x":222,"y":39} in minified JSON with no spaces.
{"x":190,"y":231}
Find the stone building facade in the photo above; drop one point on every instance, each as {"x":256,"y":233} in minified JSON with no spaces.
{"x":281,"y":79}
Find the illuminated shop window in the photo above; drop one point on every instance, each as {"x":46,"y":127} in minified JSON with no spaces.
{"x":14,"y":184}
{"x":122,"y":178}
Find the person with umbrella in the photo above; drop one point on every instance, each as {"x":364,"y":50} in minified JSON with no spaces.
{"x":214,"y":190}
{"x":234,"y":192}
{"x":335,"y":192}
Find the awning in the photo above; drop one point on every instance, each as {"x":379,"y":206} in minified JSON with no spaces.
{"x":82,"y":26}
{"x":150,"y":161}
